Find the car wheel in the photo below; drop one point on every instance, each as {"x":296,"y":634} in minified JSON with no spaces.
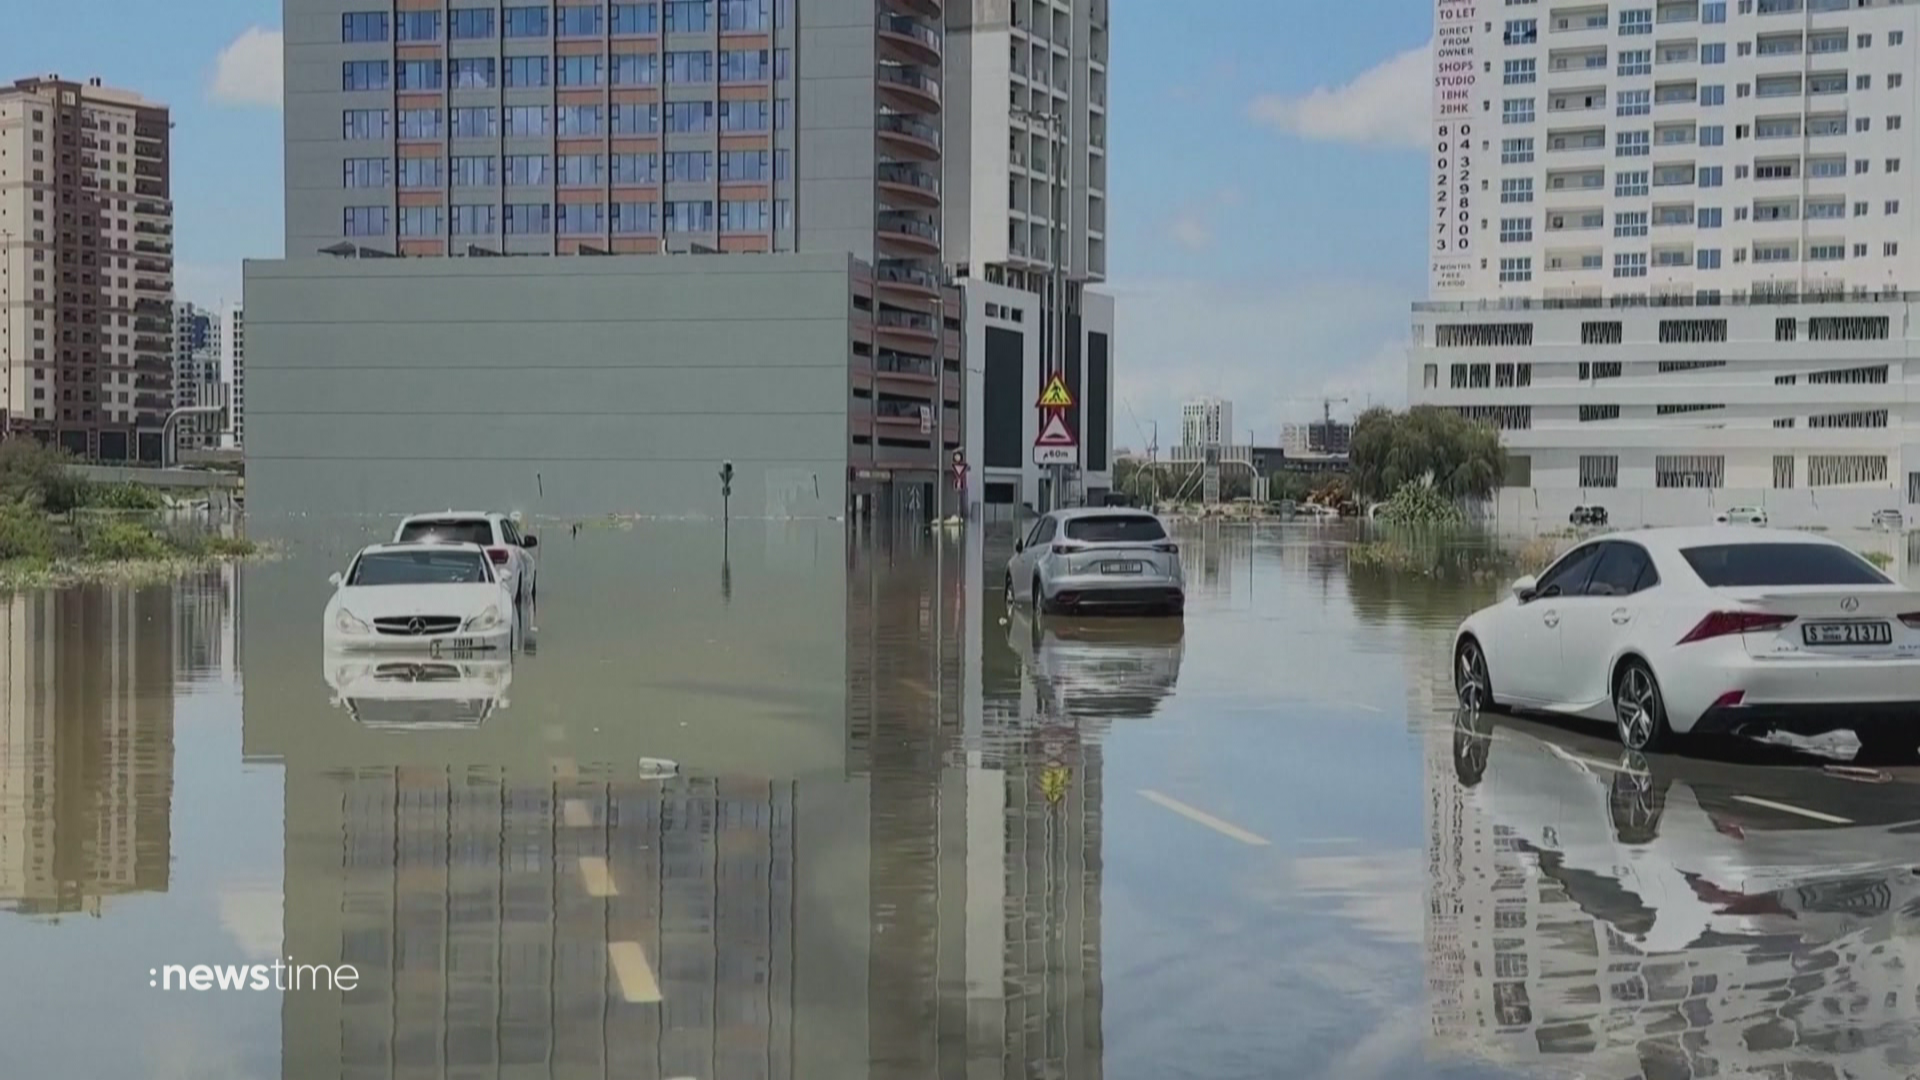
{"x":1639,"y":712}
{"x":1636,"y":800}
{"x":1472,"y":745}
{"x":1012,"y":598}
{"x":1041,"y":605}
{"x":1472,"y":684}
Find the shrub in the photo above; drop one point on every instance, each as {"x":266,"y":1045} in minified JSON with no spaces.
{"x":1420,"y":504}
{"x":39,"y":476}
{"x":121,"y":497}
{"x":25,"y":533}
{"x":125,"y":540}
{"x":220,"y":547}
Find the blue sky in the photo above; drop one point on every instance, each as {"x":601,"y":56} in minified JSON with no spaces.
{"x":1267,"y":207}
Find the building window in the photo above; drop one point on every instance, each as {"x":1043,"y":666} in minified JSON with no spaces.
{"x":631,"y":119}
{"x":1712,"y":175}
{"x":420,"y":75}
{"x":1706,"y":259}
{"x":1833,"y":470}
{"x":1516,"y":111}
{"x":1599,"y":470}
{"x":1515,"y":270}
{"x":364,"y":75}
{"x":526,"y":71}
{"x":472,"y":73}
{"x":365,"y":173}
{"x":688,"y":16}
{"x":470,"y":24}
{"x":473,"y":172}
{"x":1713,"y":95}
{"x":363,"y":124}
{"x":1629,"y":184}
{"x":419,"y":221}
{"x":744,"y":165}
{"x":582,"y":218}
{"x":356,"y":26}
{"x":1636,"y":22}
{"x":1512,"y":230}
{"x":689,"y":67}
{"x":689,"y":165}
{"x":1630,"y":265}
{"x":473,"y":122}
{"x":577,"y":20}
{"x":1715,"y":53}
{"x":420,"y":172}
{"x":743,"y":15}
{"x":529,"y":219}
{"x":636,"y":69}
{"x":364,"y":221}
{"x":523,"y":22}
{"x":417,"y":26}
{"x":526,"y":120}
{"x":1631,"y":144}
{"x":1630,"y":223}
{"x":1713,"y":12}
{"x":580,"y":170}
{"x":744,"y":116}
{"x":683,"y":116}
{"x":419,"y":123}
{"x":745,"y":65}
{"x":744,"y":216}
{"x":1689,"y":471}
{"x":689,"y":216}
{"x":1713,"y":135}
{"x":474,"y":220}
{"x":1633,"y":103}
{"x":637,"y":217}
{"x":1518,"y":71}
{"x":579,"y":71}
{"x":1516,"y":190}
{"x":527,"y":170}
{"x":1516,"y":151}
{"x":1635,"y":62}
{"x":1826,"y":252}
{"x":635,"y":19}
{"x":636,"y":169}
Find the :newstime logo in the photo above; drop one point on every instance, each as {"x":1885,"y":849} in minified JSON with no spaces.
{"x":275,"y":976}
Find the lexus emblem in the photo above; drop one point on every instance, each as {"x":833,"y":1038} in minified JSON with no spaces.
{"x":1851,"y":603}
{"x":415,"y":626}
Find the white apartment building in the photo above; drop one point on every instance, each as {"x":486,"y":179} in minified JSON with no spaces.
{"x":1206,"y":421}
{"x":197,"y":350}
{"x":1670,"y":252}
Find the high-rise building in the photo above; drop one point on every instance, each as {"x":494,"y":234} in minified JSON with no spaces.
{"x":1028,"y":143}
{"x":197,"y":349}
{"x":687,"y":126}
{"x":1670,"y":243}
{"x":233,"y":376}
{"x":86,"y":267}
{"x":1206,"y":421}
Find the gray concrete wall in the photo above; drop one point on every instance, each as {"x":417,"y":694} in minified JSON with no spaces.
{"x":548,"y":386}
{"x":834,"y":60}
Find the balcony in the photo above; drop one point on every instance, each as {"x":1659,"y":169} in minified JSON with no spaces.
{"x":900,"y":365}
{"x":153,"y":228}
{"x":909,"y":40}
{"x":908,"y":89}
{"x":142,"y":149}
{"x":152,"y":326}
{"x":152,"y":206}
{"x":149,"y":344}
{"x":903,"y":230}
{"x":152,"y":401}
{"x":906,"y":277}
{"x":147,"y":284}
{"x":903,"y":136}
{"x":1573,"y":20}
{"x":153,"y":266}
{"x":911,"y":325}
{"x":908,"y":185}
{"x":153,"y":247}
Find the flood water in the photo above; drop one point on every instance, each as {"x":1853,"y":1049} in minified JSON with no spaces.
{"x":904,"y":834}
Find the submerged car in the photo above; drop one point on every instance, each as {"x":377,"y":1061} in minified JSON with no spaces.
{"x":510,"y":551}
{"x":424,"y":597}
{"x":1889,"y":519}
{"x":1090,"y":560}
{"x":1723,"y":630}
{"x":1741,"y":515}
{"x":1588,"y":515}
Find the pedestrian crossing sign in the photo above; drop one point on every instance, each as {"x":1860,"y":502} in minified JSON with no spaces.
{"x":1056,"y":396}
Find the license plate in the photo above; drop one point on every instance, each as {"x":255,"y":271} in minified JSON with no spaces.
{"x":1875,"y":633}
{"x":1121,"y":568}
{"x":457,"y":644}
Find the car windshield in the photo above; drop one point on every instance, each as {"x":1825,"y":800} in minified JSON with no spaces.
{"x":441,"y":566}
{"x":1117,"y":529}
{"x":1740,"y":565}
{"x":452,"y":531}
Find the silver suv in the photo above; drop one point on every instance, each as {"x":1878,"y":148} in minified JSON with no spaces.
{"x":1097,"y":560}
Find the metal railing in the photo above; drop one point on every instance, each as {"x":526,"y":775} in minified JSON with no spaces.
{"x":913,"y":176}
{"x":895,"y":222}
{"x":906,"y":77}
{"x":906,"y":125}
{"x":908,"y":26}
{"x":904,"y":271}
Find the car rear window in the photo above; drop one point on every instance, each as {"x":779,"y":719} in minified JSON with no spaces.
{"x":1117,"y":529}
{"x":1741,"y":565}
{"x":442,"y":567}
{"x":452,"y":532}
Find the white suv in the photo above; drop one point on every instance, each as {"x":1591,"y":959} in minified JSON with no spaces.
{"x":1741,"y":515}
{"x":508,"y":549}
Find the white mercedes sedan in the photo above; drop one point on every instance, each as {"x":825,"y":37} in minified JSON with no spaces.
{"x":1716,"y":630}
{"x":425,"y":597}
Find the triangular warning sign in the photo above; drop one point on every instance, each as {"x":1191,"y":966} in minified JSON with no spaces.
{"x":1054,"y":432}
{"x":1056,"y":396}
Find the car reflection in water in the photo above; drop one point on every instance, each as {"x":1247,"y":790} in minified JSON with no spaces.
{"x":1110,"y":668}
{"x":1666,"y":917}
{"x":418,"y":693}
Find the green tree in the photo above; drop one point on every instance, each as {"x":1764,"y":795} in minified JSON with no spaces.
{"x":1425,"y":445}
{"x":39,"y":476}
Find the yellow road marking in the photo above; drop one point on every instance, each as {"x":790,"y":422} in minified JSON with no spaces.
{"x":576,"y":814}
{"x":598,"y":879}
{"x":1204,"y":818}
{"x":630,"y":967}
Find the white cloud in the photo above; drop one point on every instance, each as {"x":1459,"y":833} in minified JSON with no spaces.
{"x":1386,"y":105}
{"x":247,"y":71}
{"x":1191,"y":227}
{"x":1273,"y":349}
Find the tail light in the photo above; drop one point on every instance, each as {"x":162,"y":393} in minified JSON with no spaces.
{"x":1722,"y":623}
{"x":1167,"y":548}
{"x":1067,"y":549}
{"x":1912,"y":619}
{"x":498,"y":555}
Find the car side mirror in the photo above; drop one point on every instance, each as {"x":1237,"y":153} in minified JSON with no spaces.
{"x":529,"y":541}
{"x":1524,"y":588}
{"x":334,"y":579}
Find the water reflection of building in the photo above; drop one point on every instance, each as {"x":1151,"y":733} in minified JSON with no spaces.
{"x":206,"y":626}
{"x":86,"y":747}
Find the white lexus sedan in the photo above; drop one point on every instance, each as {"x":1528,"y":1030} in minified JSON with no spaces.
{"x":425,"y":597}
{"x":1716,"y":630}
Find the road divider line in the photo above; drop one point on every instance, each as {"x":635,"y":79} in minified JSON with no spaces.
{"x":635,"y":975}
{"x":576,"y":814}
{"x":598,"y":879}
{"x":1786,"y":809}
{"x":1201,"y":816}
